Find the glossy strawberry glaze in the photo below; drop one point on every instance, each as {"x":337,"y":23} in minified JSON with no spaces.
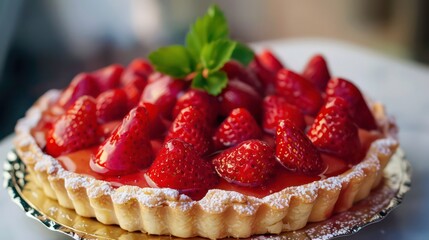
{"x":79,"y":162}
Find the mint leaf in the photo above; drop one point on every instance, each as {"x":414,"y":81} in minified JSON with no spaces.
{"x":216,"y":82}
{"x":199,"y":82}
{"x":209,"y":28}
{"x":215,"y":54}
{"x":243,"y":54}
{"x":174,"y":60}
{"x":217,"y":25}
{"x":213,"y":84}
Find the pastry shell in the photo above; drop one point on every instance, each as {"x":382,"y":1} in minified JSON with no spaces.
{"x":220,"y":213}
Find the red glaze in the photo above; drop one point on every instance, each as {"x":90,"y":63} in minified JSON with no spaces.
{"x":79,"y":161}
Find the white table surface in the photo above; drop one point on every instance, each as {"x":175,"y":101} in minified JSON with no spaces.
{"x":403,"y":87}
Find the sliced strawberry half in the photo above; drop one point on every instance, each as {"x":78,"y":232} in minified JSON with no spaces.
{"x":251,"y":163}
{"x":236,"y":128}
{"x":111,"y":105}
{"x":163,"y":91}
{"x":134,"y":90}
{"x":128,"y":149}
{"x":334,"y":132}
{"x":138,"y":68}
{"x":239,"y":95}
{"x":75,"y":130}
{"x":81,"y":85}
{"x":192,"y":127}
{"x":235,"y":71}
{"x":270,"y":61}
{"x":276,"y":108}
{"x":358,"y":109}
{"x":299,"y":91}
{"x":156,"y":123}
{"x":108,"y":77}
{"x":207,"y":104}
{"x":265,"y":65}
{"x":317,"y":72}
{"x":180,"y":167}
{"x":296,"y":152}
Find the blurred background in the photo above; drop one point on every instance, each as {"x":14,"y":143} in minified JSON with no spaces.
{"x":44,"y":43}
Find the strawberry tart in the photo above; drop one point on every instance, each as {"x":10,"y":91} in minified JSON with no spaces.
{"x":207,"y":139}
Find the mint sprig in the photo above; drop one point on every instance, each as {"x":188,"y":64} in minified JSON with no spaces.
{"x":208,"y":47}
{"x":174,"y":60}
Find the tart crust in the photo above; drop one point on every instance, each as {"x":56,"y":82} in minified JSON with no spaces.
{"x":220,"y":213}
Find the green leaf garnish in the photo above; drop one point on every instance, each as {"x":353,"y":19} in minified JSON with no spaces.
{"x":243,"y":54}
{"x":209,"y":28}
{"x":213,"y":84}
{"x":207,"y":49}
{"x":215,"y":54}
{"x":174,"y":60}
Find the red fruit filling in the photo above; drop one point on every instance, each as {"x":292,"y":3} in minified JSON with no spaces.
{"x":268,"y":129}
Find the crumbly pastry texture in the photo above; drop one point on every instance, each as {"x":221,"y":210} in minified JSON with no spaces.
{"x":220,"y":213}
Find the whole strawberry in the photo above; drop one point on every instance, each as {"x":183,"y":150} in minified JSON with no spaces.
{"x":265,"y":65}
{"x":239,"y":95}
{"x":111,"y":105}
{"x":207,"y":104}
{"x":180,"y":167}
{"x":235,"y":71}
{"x":250,"y":163}
{"x":156,"y":123}
{"x":75,"y":130}
{"x":236,"y":128}
{"x":299,"y":91}
{"x":317,"y":72}
{"x":81,"y":85}
{"x":128,"y":149}
{"x":276,"y":108}
{"x":138,"y":68}
{"x":108,"y":77}
{"x":163,"y":91}
{"x":133,"y":90}
{"x":191,"y":126}
{"x":270,"y":61}
{"x":296,"y":152}
{"x":358,"y":109}
{"x":334,"y":132}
